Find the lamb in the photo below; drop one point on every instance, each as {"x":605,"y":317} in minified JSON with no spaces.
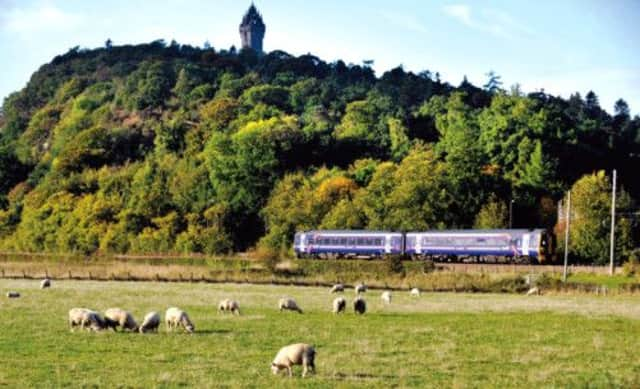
{"x":415,"y":292}
{"x":46,"y":283}
{"x":13,"y":294}
{"x":115,"y":317}
{"x":288,"y":304}
{"x":228,"y":305}
{"x":337,"y":288}
{"x":85,"y":318}
{"x":295,"y":354}
{"x":386,"y":297}
{"x":359,"y":305}
{"x":339,"y":305}
{"x":151,"y":322}
{"x":175,"y":317}
{"x":360,"y":288}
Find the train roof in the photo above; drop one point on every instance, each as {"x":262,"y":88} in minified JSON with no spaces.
{"x":481,"y":231}
{"x":363,"y":232}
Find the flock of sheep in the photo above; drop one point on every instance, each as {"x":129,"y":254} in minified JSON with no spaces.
{"x":288,"y":356}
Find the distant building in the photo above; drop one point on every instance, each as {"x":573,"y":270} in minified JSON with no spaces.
{"x":252,"y":29}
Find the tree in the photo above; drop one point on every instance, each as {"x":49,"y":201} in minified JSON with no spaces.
{"x":591,"y":219}
{"x":494,"y":84}
{"x":493,"y":214}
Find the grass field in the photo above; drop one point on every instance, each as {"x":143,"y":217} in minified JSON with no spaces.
{"x":437,"y":340}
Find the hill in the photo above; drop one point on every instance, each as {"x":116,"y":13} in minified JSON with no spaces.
{"x":161,"y":148}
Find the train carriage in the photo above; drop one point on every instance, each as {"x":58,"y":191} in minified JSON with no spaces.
{"x":518,"y":245}
{"x":329,"y":244}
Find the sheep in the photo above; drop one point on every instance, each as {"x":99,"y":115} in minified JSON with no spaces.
{"x":288,"y":304}
{"x":386,"y":297}
{"x":175,"y":317}
{"x":360,"y":288}
{"x":533,"y":291}
{"x":13,"y":294}
{"x":339,"y":305}
{"x":415,"y":292}
{"x":228,"y":305}
{"x":115,"y":317}
{"x":359,"y":305}
{"x":85,"y":318}
{"x":46,"y":283}
{"x":295,"y":354}
{"x":337,"y":288}
{"x":151,"y":322}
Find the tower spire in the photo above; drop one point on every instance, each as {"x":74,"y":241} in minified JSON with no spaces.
{"x":252,"y":29}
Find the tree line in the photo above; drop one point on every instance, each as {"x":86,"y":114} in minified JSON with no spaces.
{"x":160,"y":148}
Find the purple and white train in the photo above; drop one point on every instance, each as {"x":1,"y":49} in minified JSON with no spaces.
{"x":516,"y":245}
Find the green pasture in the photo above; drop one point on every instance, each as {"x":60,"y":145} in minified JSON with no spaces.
{"x":436,"y":340}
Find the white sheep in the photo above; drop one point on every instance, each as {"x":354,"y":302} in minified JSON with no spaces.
{"x":46,"y":283}
{"x":228,"y":305}
{"x":415,"y":292}
{"x":533,"y":291}
{"x":175,"y":317}
{"x":359,"y":305}
{"x":339,"y":305}
{"x":85,"y":318}
{"x":295,"y":354}
{"x":13,"y":294}
{"x":337,"y":288}
{"x":386,"y":297}
{"x":115,"y":317}
{"x":151,"y":322}
{"x":360,"y":288}
{"x":289,"y":304}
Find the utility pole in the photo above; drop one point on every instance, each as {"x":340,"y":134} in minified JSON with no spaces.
{"x":566,"y":237}
{"x":613,"y":224}
{"x":511,"y":213}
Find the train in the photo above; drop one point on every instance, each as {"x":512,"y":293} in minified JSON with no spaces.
{"x":499,"y":245}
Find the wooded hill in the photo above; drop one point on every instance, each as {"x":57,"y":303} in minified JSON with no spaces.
{"x":156,"y":149}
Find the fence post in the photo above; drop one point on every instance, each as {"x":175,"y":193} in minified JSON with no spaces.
{"x":70,"y":274}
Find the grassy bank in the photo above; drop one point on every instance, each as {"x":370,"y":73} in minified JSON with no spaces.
{"x":437,"y":340}
{"x":377,"y":274}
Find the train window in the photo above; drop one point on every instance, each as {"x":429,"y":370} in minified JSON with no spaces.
{"x":310,"y":241}
{"x":369,"y":242}
{"x":352,"y":241}
{"x":377,"y":242}
{"x":343,"y":241}
{"x":360,"y":241}
{"x":334,"y":241}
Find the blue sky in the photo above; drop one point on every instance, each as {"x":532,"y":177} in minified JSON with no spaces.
{"x":559,"y":46}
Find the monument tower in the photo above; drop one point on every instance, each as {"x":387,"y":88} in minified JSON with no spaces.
{"x":252,"y":29}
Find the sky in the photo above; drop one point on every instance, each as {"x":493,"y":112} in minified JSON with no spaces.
{"x":561,"y":47}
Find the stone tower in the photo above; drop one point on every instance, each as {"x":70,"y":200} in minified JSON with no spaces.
{"x":252,"y":29}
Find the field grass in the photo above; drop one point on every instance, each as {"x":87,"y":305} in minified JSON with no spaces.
{"x":436,"y":340}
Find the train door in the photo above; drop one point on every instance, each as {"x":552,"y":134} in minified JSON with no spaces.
{"x":525,"y":244}
{"x":387,"y":244}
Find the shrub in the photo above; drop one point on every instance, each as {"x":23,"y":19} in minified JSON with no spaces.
{"x":394,"y":264}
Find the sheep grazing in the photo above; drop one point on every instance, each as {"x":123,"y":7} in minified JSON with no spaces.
{"x":339,"y":305}
{"x":151,"y":322}
{"x":46,"y":283}
{"x":337,"y":288}
{"x":360,"y":288}
{"x":415,"y":292}
{"x":228,"y":305}
{"x":533,"y":291}
{"x":13,"y":294}
{"x":295,"y":354}
{"x":288,"y":304}
{"x":386,"y":297}
{"x":175,"y":317}
{"x":85,"y":318}
{"x":116,"y":317}
{"x":359,"y":305}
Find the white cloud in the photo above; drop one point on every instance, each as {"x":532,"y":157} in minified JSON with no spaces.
{"x":493,"y":21}
{"x":39,"y":18}
{"x":408,"y":22}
